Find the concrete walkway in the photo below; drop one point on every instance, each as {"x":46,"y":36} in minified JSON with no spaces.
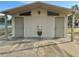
{"x":71,"y":48}
{"x":44,"y":48}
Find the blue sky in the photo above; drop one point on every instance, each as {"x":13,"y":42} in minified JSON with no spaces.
{"x":12,"y":4}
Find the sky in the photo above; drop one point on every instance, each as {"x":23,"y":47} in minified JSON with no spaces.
{"x":4,"y":5}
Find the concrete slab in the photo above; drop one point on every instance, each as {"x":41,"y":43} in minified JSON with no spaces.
{"x":71,"y":48}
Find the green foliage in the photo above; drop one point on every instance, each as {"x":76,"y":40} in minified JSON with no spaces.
{"x":2,"y":20}
{"x":70,"y":21}
{"x":75,"y":7}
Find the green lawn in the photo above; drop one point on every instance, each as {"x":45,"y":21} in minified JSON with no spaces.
{"x":76,"y":30}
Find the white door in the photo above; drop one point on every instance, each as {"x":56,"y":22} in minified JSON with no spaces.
{"x":19,"y":27}
{"x":59,"y":27}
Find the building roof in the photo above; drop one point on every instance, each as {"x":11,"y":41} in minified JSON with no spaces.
{"x":36,"y":5}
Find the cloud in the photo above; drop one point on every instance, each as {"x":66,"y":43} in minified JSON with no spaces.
{"x":27,"y":2}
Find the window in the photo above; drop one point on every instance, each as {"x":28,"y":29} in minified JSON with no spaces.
{"x":52,"y":13}
{"x":27,"y":13}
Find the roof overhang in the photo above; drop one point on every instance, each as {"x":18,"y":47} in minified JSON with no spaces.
{"x":37,"y":5}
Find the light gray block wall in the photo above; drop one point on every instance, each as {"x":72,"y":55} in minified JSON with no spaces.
{"x":31,"y":23}
{"x":47,"y":22}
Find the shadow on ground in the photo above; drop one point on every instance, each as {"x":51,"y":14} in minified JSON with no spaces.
{"x":48,"y":49}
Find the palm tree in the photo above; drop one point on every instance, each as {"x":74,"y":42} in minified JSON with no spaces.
{"x":75,"y":7}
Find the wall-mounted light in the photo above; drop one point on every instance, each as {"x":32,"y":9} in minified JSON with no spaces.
{"x":39,"y":30}
{"x":38,"y":12}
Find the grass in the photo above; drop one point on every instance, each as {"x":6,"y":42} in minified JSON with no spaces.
{"x":76,"y":31}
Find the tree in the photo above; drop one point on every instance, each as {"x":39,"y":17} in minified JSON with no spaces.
{"x":2,"y":20}
{"x":70,"y":21}
{"x":75,"y":7}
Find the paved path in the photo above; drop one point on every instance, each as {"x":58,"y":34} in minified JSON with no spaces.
{"x":71,"y":48}
{"x":44,"y":48}
{"x":33,"y":49}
